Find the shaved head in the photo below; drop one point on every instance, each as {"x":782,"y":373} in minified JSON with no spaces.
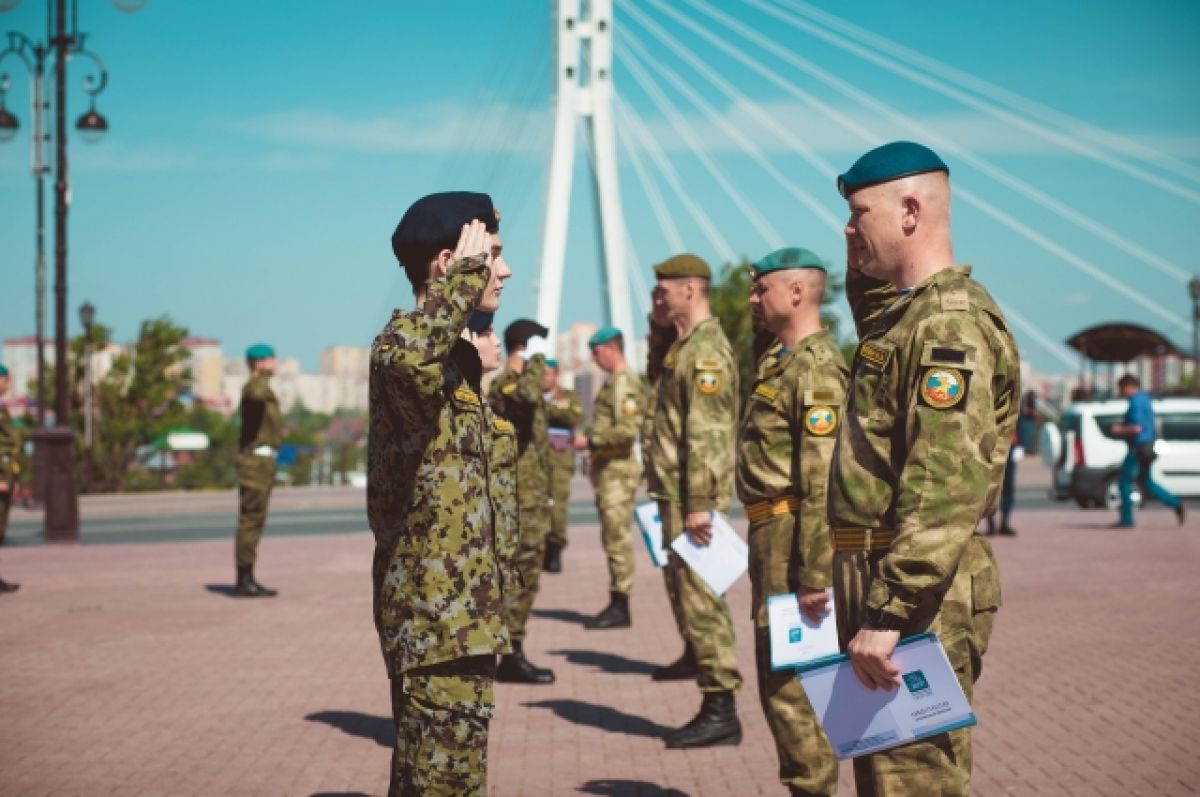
{"x":900,"y":230}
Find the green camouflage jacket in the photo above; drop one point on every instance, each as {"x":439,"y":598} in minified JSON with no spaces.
{"x":692,"y":448}
{"x":564,"y":413}
{"x":922,"y":447}
{"x":786,"y":442}
{"x":262,"y":423}
{"x":617,"y":416}
{"x":520,"y":399}
{"x":658,"y":342}
{"x":10,"y":448}
{"x":440,"y":566}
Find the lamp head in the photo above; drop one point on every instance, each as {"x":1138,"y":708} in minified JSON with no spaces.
{"x":92,"y":126}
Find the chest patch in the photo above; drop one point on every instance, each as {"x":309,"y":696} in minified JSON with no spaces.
{"x":820,"y":420}
{"x":943,"y":388}
{"x":708,"y":382}
{"x":766,"y":391}
{"x":629,"y":406}
{"x":874,"y":354}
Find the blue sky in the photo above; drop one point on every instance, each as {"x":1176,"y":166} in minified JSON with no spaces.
{"x":261,"y":154}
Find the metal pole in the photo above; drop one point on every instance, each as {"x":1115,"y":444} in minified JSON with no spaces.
{"x":88,"y":396}
{"x":61,"y":43}
{"x":39,"y":167}
{"x":1196,"y":346}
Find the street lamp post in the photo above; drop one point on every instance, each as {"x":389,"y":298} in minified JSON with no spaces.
{"x":54,"y":448}
{"x":1194,"y":290}
{"x":87,"y":316}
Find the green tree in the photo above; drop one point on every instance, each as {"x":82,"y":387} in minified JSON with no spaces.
{"x":730,"y":301}
{"x":216,"y":466}
{"x":304,"y":429}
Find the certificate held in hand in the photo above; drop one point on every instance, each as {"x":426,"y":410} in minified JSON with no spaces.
{"x":797,"y":641}
{"x":650,"y":524}
{"x":722,"y":561}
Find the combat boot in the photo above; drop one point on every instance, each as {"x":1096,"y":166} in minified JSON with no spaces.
{"x":684,"y":668}
{"x":716,"y":724}
{"x":516,"y":669}
{"x":6,"y":586}
{"x":615,"y":614}
{"x":247,"y":587}
{"x":552,"y":562}
{"x":263,"y":592}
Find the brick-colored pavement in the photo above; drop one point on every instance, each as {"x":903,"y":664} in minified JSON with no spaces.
{"x":126,"y":669}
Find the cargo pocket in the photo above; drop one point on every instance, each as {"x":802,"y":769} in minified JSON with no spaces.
{"x":985,"y":602}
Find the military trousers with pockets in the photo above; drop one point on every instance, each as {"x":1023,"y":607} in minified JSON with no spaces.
{"x":807,"y":764}
{"x":534,"y":527}
{"x":562,"y":468}
{"x":442,"y":714}
{"x":256,"y":476}
{"x":701,"y":615}
{"x":939,"y":766}
{"x":615,"y":482}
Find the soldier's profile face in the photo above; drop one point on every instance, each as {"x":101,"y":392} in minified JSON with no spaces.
{"x":771,"y":298}
{"x":487,"y":343}
{"x":869,"y":230}
{"x":674,"y":292}
{"x":550,"y":379}
{"x":500,"y":272}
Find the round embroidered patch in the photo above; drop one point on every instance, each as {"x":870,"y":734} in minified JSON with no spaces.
{"x":708,"y":382}
{"x":629,"y":406}
{"x":820,"y":420}
{"x":943,"y":388}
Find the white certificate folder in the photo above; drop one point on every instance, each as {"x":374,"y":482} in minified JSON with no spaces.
{"x":722,"y":561}
{"x":650,"y":523}
{"x":796,"y":640}
{"x":859,"y":721}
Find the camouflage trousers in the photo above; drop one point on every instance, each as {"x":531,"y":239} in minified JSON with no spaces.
{"x":534,"y":524}
{"x":442,"y":714}
{"x":562,"y":468}
{"x":807,"y":764}
{"x":615,"y":482}
{"x":938,"y":765}
{"x":701,"y":615}
{"x":256,"y":476}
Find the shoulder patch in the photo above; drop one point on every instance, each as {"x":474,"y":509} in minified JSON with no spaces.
{"x":820,"y":420}
{"x":708,"y":364}
{"x":876,"y":355}
{"x":944,"y":388}
{"x":465,"y":394}
{"x":708,"y":382}
{"x":630,"y":406}
{"x":955,"y":300}
{"x":503,"y":426}
{"x":509,"y":389}
{"x":766,"y":391}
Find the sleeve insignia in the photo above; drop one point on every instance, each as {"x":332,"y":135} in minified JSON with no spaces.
{"x":629,"y":406}
{"x":820,"y":420}
{"x":509,"y":389}
{"x":708,"y":382}
{"x":766,"y":391}
{"x":943,"y":388}
{"x":466,"y":395}
{"x":874,"y":354}
{"x":503,"y":426}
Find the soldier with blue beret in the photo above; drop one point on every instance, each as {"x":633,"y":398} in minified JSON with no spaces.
{"x":920,"y":453}
{"x":443,"y":544}
{"x":258,"y":445}
{"x":10,"y":469}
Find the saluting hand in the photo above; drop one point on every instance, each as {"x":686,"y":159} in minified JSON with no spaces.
{"x":472,"y":241}
{"x":871,"y":656}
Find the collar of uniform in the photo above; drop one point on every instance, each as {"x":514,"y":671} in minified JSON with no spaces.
{"x":712,"y":319}
{"x":940,"y":281}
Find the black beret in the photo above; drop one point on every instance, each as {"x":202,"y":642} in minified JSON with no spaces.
{"x":520,"y":331}
{"x":436,"y":218}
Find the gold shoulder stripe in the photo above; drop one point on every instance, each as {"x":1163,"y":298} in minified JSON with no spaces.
{"x":874,"y":354}
{"x":503,"y":426}
{"x":509,"y":389}
{"x":766,"y":391}
{"x":464,"y":393}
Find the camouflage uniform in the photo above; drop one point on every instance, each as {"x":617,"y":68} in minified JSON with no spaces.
{"x":565,"y":413}
{"x":919,"y":460}
{"x":785,"y":447}
{"x":440,"y":492}
{"x":261,"y":430}
{"x":10,"y":467}
{"x":520,"y":399}
{"x":692,"y":455}
{"x":615,"y":471}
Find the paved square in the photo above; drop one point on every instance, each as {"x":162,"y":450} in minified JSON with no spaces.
{"x":126,"y":668}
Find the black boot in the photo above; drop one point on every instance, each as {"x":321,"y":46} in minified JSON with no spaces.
{"x":1005,"y":529}
{"x":6,"y":586}
{"x":615,"y":614}
{"x":247,"y":587}
{"x":516,"y":669}
{"x":552,"y":563}
{"x":716,"y":724}
{"x":682,"y":669}
{"x":991,"y":526}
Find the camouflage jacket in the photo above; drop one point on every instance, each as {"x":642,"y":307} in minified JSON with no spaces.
{"x":658,"y":342}
{"x":785,"y":444}
{"x":440,"y":569}
{"x":519,"y":398}
{"x":10,"y":447}
{"x":262,"y":423}
{"x":692,"y":448}
{"x":617,"y":417}
{"x":564,"y":414}
{"x":933,"y":404}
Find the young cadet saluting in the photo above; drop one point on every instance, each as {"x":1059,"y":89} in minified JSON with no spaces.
{"x":261,"y":434}
{"x":920,"y":452}
{"x":692,"y":454}
{"x":785,"y":446}
{"x":439,"y":572}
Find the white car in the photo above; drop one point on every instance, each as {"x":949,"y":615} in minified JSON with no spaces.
{"x":1086,"y":456}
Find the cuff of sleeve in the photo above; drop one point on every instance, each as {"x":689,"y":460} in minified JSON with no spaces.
{"x":701,"y":504}
{"x":813,"y":579}
{"x":881,"y":599}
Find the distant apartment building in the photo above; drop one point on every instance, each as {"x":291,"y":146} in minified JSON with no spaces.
{"x":206,"y":362}
{"x":317,"y":392}
{"x":349,"y":361}
{"x":20,"y":355}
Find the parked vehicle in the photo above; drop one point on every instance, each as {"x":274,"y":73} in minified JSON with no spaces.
{"x":1086,"y":456}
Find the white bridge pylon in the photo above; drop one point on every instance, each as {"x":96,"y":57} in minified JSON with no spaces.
{"x":584,"y":91}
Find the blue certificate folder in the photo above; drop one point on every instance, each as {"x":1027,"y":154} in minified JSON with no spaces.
{"x":859,"y":721}
{"x":650,"y":524}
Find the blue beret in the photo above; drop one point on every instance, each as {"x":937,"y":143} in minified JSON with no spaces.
{"x":259,"y":351}
{"x":437,"y":219}
{"x":887,"y":163}
{"x":481,"y":321}
{"x":3,"y":370}
{"x":784,"y":259}
{"x":603,"y":335}
{"x":552,"y":363}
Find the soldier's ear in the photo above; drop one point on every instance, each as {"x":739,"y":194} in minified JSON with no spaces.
{"x":441,"y":264}
{"x":910,"y":213}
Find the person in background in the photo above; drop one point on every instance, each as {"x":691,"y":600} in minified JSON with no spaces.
{"x":10,"y":470}
{"x":261,"y":434}
{"x":1139,"y":431}
{"x":563,"y":413}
